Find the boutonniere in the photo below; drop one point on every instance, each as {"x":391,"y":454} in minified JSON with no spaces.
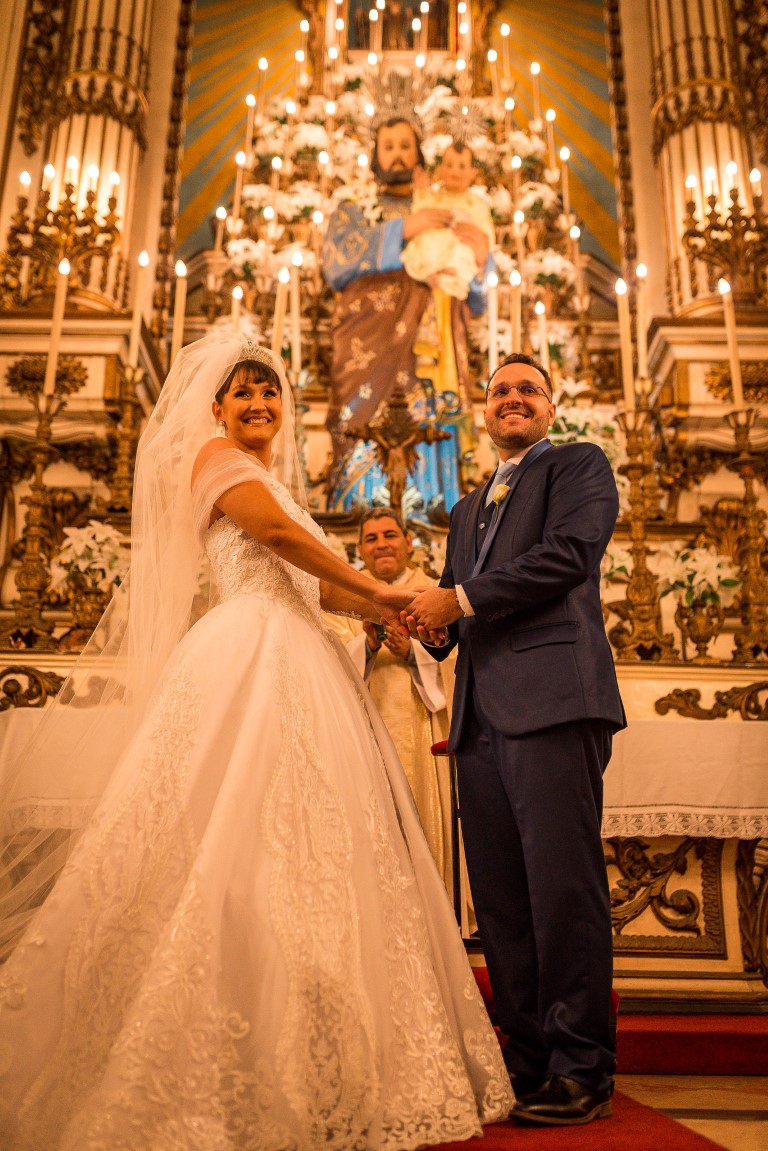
{"x":500,"y":493}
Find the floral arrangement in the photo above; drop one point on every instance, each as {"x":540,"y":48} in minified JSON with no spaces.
{"x":692,"y":573}
{"x":616,"y":564}
{"x":96,"y":552}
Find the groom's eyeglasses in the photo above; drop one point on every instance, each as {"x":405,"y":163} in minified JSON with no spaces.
{"x":525,"y":389}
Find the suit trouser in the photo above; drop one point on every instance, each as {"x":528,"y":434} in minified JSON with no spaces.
{"x":531,"y":809}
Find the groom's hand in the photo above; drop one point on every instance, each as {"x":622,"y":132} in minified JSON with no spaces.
{"x":431,"y":610}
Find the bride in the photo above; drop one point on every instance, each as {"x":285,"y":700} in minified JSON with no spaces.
{"x":248,"y":945}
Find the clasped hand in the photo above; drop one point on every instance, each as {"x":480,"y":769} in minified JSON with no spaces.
{"x":394,"y":607}
{"x":428,"y":614}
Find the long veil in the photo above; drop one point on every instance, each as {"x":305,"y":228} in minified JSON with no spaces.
{"x":55,"y":783}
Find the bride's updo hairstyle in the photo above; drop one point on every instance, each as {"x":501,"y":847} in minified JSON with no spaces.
{"x":255,"y":372}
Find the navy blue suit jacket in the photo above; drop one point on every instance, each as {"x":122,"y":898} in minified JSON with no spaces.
{"x":536,"y":645}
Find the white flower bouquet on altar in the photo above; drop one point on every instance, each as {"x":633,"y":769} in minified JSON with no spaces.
{"x":536,"y":198}
{"x":616,"y":564}
{"x":546,"y":266}
{"x":694,"y":574}
{"x":96,"y":552}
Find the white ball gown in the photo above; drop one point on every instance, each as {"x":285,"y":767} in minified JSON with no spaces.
{"x":250,"y":947}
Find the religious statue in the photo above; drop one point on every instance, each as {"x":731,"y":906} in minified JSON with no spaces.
{"x":386,"y":331}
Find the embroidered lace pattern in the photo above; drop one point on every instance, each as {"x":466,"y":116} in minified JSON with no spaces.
{"x":434,"y":1098}
{"x":703,"y":822}
{"x":326,"y":1052}
{"x":243,"y":566}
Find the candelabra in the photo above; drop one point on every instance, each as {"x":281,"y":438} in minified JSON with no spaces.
{"x":733,"y":245}
{"x":639,"y":636}
{"x":121,"y":487}
{"x":39,"y":240}
{"x":29,"y":629}
{"x":751,"y":639}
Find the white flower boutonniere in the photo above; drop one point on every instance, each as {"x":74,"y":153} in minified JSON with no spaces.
{"x":500,"y":493}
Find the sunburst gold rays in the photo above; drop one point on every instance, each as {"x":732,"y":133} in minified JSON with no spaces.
{"x":229,"y":38}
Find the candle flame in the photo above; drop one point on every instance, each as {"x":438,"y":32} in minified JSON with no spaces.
{"x":64,"y":267}
{"x":240,"y":159}
{"x":283,"y":275}
{"x":493,"y":280}
{"x":143,"y":258}
{"x":250,"y":100}
{"x":641,"y":271}
{"x":297,"y":259}
{"x":237,"y":292}
{"x":535,"y":68}
{"x":504,"y":30}
{"x":539,"y":308}
{"x":565,"y":154}
{"x":509,"y":104}
{"x":263,"y":64}
{"x":723,"y":287}
{"x":25,"y":179}
{"x":575,"y":232}
{"x":550,"y":115}
{"x":690,"y":180}
{"x":317,"y":216}
{"x":519,"y":216}
{"x":181,"y":269}
{"x":492,"y":55}
{"x":515,"y":278}
{"x":621,"y":287}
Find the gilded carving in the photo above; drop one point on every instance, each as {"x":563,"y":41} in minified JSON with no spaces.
{"x":692,"y":920}
{"x":40,"y":68}
{"x":723,"y":527}
{"x":621,"y":152}
{"x":752,"y":41}
{"x":754,"y":375}
{"x":25,"y":376}
{"x":40,"y":686}
{"x":744,"y":700}
{"x":752,"y":902}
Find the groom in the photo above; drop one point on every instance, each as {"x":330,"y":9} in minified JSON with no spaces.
{"x":535,"y":708}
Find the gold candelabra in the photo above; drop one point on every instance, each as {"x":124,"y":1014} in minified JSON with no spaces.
{"x":121,"y":487}
{"x":639,"y":636}
{"x":38,"y":240}
{"x":732,"y":244}
{"x":751,"y":638}
{"x":29,"y":629}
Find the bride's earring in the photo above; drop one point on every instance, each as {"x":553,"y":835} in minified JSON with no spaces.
{"x":221,"y":428}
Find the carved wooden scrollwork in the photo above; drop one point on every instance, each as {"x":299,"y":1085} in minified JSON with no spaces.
{"x":40,"y":687}
{"x":691,"y":921}
{"x":754,"y":377}
{"x":752,"y":902}
{"x":744,"y":700}
{"x":39,"y":73}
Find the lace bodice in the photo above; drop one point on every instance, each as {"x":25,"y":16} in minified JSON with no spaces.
{"x":240,"y":565}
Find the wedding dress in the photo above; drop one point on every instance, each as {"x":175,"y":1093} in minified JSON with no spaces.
{"x":250,"y":946}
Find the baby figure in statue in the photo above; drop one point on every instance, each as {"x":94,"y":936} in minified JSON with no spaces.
{"x":437,"y":255}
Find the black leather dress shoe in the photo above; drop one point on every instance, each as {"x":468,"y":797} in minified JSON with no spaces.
{"x":563,"y":1102}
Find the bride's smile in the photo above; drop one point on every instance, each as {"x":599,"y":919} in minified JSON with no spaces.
{"x":251,"y":411}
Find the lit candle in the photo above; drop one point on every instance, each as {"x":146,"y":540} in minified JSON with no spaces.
{"x":625,"y":344}
{"x":240,"y":162}
{"x":296,"y":262}
{"x":93,"y":177}
{"x":641,"y":272}
{"x":509,"y":107}
{"x":541,"y":317}
{"x":506,"y":69}
{"x":424,"y":9}
{"x":59,"y":303}
{"x":732,"y":171}
{"x":179,"y":306}
{"x":493,"y":323}
{"x":565,"y":155}
{"x":535,"y":70}
{"x":49,"y":175}
{"x":492,"y":58}
{"x":317,"y":237}
{"x":729,"y":313}
{"x":516,"y":309}
{"x":374,"y":31}
{"x":549,"y":116}
{"x":261,"y":88}
{"x":221,"y":217}
{"x":234,"y":314}
{"x":710,"y":182}
{"x":250,"y":103}
{"x":133,"y":342}
{"x":330,"y":112}
{"x":299,"y":58}
{"x":304,"y":29}
{"x":277,"y":164}
{"x":323,"y":160}
{"x":691,"y":184}
{"x":516,"y":164}
{"x":756,"y":182}
{"x":24,"y":183}
{"x":281,"y":299}
{"x":518,"y":220}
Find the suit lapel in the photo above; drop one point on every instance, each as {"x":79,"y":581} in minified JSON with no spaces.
{"x":477,"y":498}
{"x":536,"y":451}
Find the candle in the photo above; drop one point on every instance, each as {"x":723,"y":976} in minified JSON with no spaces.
{"x":299,"y":58}
{"x":323,"y":159}
{"x":549,"y":116}
{"x":732,"y":171}
{"x":515,"y":309}
{"x":729,"y":313}
{"x":756,"y":182}
{"x":641,"y":273}
{"x":541,"y":317}
{"x":565,"y":156}
{"x":535,"y":70}
{"x":24,"y":182}
{"x":710,"y":182}
{"x":277,"y":164}
{"x":179,"y":305}
{"x":296,"y":262}
{"x":261,"y":87}
{"x":133,"y":342}
{"x":374,"y":30}
{"x":493,"y":323}
{"x":691,"y":184}
{"x":509,"y":107}
{"x":240,"y":162}
{"x":424,"y":9}
{"x":492,"y":58}
{"x":59,"y":303}
{"x":221,"y":216}
{"x":506,"y":69}
{"x":516,"y":164}
{"x":93,"y":177}
{"x":330,"y":112}
{"x":625,"y":343}
{"x":281,"y":299}
{"x":304,"y":29}
{"x":237,"y":297}
{"x":517,"y":228}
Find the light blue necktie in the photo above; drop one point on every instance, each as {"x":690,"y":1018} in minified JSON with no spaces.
{"x":503,"y":472}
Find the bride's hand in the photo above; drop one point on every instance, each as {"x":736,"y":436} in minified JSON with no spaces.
{"x":389,"y":602}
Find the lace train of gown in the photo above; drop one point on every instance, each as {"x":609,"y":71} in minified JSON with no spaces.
{"x":251,"y":947}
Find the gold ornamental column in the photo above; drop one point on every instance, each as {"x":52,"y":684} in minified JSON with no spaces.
{"x":701,"y":144}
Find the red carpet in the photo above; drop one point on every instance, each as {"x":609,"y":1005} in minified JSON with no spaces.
{"x":632,"y":1127}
